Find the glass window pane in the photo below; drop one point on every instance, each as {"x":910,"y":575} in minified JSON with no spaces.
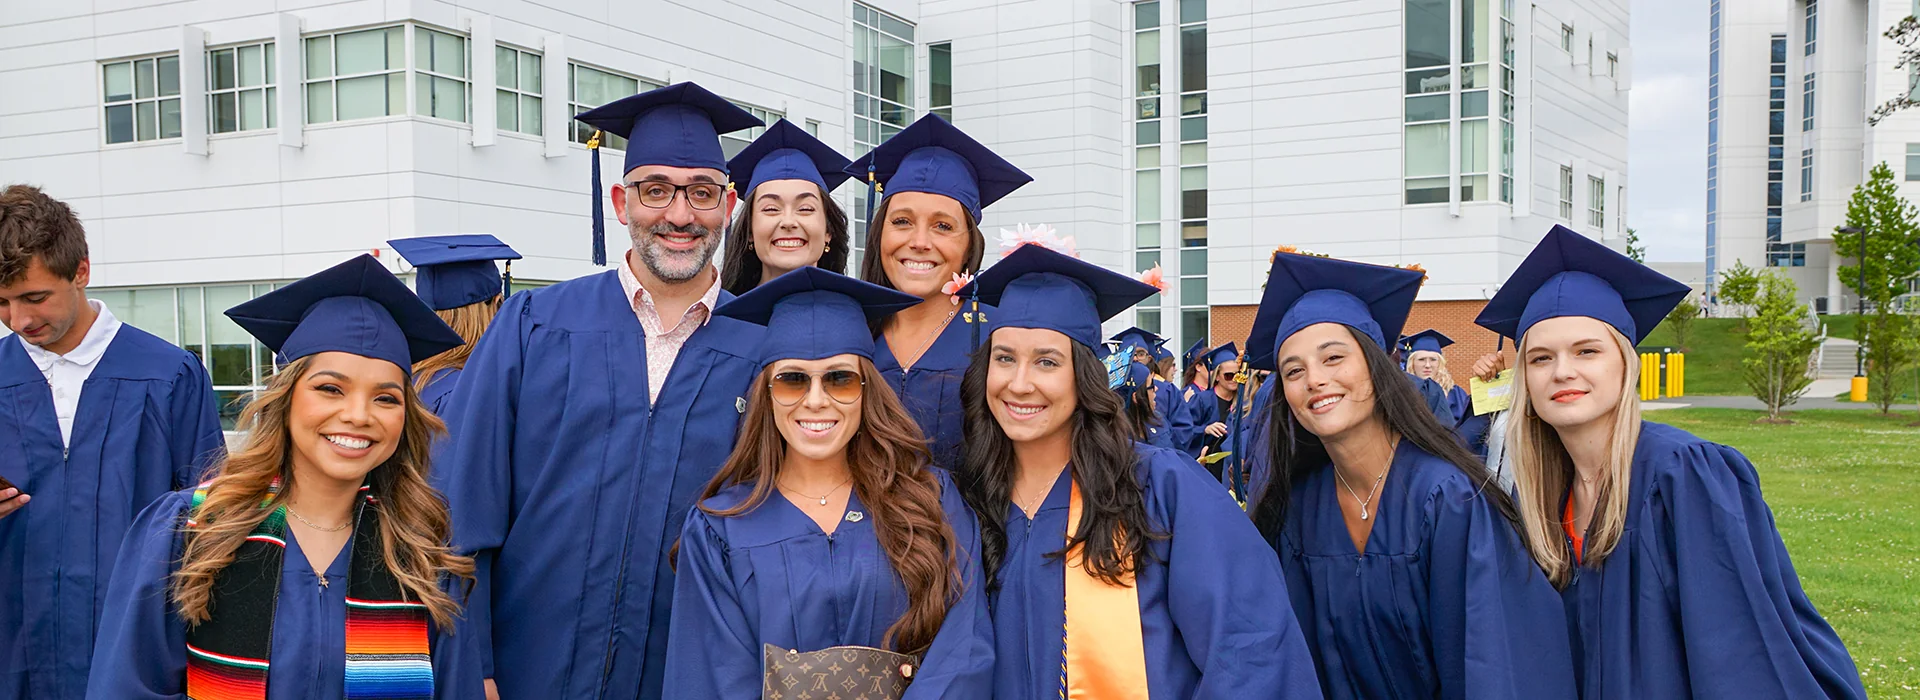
{"x":530,"y":121}
{"x":1193,"y":179}
{"x":1193,"y":204}
{"x":396,"y":55}
{"x":1193,"y":153}
{"x":1473,"y":104}
{"x":1148,"y":319}
{"x":396,"y":93}
{"x":530,"y":73}
{"x":320,"y":57}
{"x":360,"y":98}
{"x":1432,"y":190}
{"x":1146,"y":48}
{"x":450,"y":99}
{"x":119,"y":81}
{"x":1193,"y":104}
{"x":1193,"y":59}
{"x":896,"y":70}
{"x":169,"y":75}
{"x":224,"y":75}
{"x":895,"y":27}
{"x":116,"y":301}
{"x":1474,"y":30}
{"x":506,"y":111}
{"x":143,"y":82}
{"x":253,"y":109}
{"x":1473,"y":188}
{"x":251,"y":68}
{"x":1146,"y":14}
{"x":1426,"y":25}
{"x":940,"y":74}
{"x":1193,"y":234}
{"x":1193,"y":324}
{"x":170,"y":118}
{"x":151,"y":310}
{"x":226,"y":113}
{"x":1193,"y":261}
{"x":1473,"y":146}
{"x":147,"y":121}
{"x":319,"y":103}
{"x":360,"y":52}
{"x":268,"y":62}
{"x":1420,"y":82}
{"x":1146,"y":132}
{"x":1426,"y":152}
{"x":1145,"y":259}
{"x":506,"y":67}
{"x":1146,"y":157}
{"x":1146,"y":195}
{"x":1147,"y":108}
{"x":191,"y":323}
{"x":1193,"y":11}
{"x":449,"y":54}
{"x":1426,"y":108}
{"x":119,"y":123}
{"x":1475,"y":77}
{"x":1146,"y":235}
{"x":1193,"y":128}
{"x":1193,"y":290}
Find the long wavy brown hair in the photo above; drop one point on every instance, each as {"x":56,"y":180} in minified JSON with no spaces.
{"x":888,"y":459}
{"x":414,"y":525}
{"x":471,"y":322}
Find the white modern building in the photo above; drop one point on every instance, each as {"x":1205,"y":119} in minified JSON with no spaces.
{"x":1791,"y":86}
{"x":216,"y":148}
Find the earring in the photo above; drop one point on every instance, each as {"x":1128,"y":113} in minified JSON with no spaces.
{"x":749,"y":245}
{"x":827,"y":249}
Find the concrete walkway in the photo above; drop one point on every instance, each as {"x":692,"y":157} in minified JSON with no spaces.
{"x":1810,"y":401}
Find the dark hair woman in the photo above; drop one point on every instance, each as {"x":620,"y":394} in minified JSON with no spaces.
{"x":788,"y":220}
{"x":312,"y":563}
{"x":826,"y":528}
{"x":925,"y":238}
{"x":1130,"y":549}
{"x":1675,"y":581}
{"x":1401,"y":559}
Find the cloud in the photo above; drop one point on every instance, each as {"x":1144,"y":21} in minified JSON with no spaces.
{"x":1667,"y":129}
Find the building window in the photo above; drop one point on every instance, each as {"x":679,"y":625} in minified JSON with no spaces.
{"x":1195,"y":314}
{"x":1147,"y":250}
{"x":1432,"y":90}
{"x":1566,"y":193}
{"x":516,"y":95}
{"x":1813,"y":24}
{"x":191,"y":317}
{"x":733,"y":143}
{"x":1613,"y":65}
{"x":940,"y":79}
{"x":142,"y":99}
{"x":1506,"y":100}
{"x":240,"y":88}
{"x":1913,"y":162}
{"x":1566,"y":38}
{"x":440,"y":60}
{"x":1806,"y":175}
{"x":592,"y":87}
{"x":1596,"y":202}
{"x":356,"y":75}
{"x":1778,"y":254}
{"x":1806,"y":102}
{"x":883,"y":47}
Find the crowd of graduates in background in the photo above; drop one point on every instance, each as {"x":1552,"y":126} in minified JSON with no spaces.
{"x":776,"y":477}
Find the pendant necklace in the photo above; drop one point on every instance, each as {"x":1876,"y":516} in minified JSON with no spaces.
{"x":821,"y":499}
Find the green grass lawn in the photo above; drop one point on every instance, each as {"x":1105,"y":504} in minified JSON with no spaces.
{"x":1713,"y":355}
{"x":1845,"y":491}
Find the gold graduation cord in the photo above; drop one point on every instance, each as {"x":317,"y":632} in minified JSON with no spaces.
{"x":1106,"y":656}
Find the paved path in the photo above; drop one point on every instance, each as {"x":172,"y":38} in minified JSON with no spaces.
{"x":1748,"y":402}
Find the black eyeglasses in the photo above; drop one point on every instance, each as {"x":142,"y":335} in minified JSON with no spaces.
{"x":841,"y":385}
{"x":654,"y":194}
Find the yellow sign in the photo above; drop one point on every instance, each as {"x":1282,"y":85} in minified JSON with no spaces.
{"x":1496,"y":395}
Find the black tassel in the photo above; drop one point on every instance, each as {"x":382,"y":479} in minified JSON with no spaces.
{"x":506,"y":280}
{"x":599,"y":211}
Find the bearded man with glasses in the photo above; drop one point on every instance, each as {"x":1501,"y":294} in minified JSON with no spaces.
{"x":594,"y":410}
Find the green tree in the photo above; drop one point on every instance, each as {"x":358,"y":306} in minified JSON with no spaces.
{"x":1779,"y":346}
{"x":1904,"y":33}
{"x":1681,"y":321}
{"x":1891,"y":350}
{"x":1634,"y":249}
{"x":1887,"y":221}
{"x":1739,"y":285}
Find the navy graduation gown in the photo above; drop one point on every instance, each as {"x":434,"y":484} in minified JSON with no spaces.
{"x":930,"y":391}
{"x":1174,"y":426}
{"x":1461,"y":403}
{"x":438,"y":394}
{"x":568,"y":487}
{"x":145,"y":425}
{"x":1699,"y":598}
{"x":771,"y":576}
{"x":1246,"y":439}
{"x":146,"y":640}
{"x":1444,"y":603}
{"x":1213,"y":611}
{"x":1203,"y":409}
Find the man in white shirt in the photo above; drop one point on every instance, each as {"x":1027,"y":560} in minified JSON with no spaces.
{"x":97,"y":419}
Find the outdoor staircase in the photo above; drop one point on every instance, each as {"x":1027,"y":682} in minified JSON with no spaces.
{"x":1837,"y":358}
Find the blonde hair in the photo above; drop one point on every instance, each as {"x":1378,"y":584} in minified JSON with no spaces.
{"x":1440,"y":374}
{"x":1543,"y":473}
{"x":414,"y":525}
{"x":471,"y":322}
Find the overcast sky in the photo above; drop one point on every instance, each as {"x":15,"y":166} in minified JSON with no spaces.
{"x":1667,"y":129}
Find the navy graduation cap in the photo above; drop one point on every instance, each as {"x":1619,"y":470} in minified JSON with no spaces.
{"x":1036,"y":287}
{"x":355,"y":307}
{"x":1303,"y":290}
{"x":787,"y":152}
{"x":932,"y":156}
{"x":1224,"y":353}
{"x":1426,"y":341}
{"x":1195,"y":353}
{"x":811,"y":314}
{"x":678,"y":125}
{"x":1160,"y":352}
{"x":1137,"y":337}
{"x":454,"y":271}
{"x":1568,"y":274}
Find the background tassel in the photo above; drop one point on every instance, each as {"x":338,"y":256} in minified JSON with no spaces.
{"x":599,"y":211}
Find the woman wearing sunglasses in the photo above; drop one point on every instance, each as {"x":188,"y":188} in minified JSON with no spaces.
{"x":1122,"y":570}
{"x":826,"y":528}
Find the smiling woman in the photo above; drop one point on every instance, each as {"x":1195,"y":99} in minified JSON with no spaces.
{"x":790,"y":219}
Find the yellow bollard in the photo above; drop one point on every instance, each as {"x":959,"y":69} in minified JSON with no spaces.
{"x":1649,"y":376}
{"x":1677,"y":374}
{"x":1859,"y":393}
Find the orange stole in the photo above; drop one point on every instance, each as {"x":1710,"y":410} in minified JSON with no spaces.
{"x":1106,"y":655}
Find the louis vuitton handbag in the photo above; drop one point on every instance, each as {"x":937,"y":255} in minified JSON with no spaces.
{"x":846,"y":673}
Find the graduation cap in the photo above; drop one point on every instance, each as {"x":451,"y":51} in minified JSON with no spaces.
{"x":1160,"y":352}
{"x":678,"y":125}
{"x":454,"y":271}
{"x":932,"y":156}
{"x":1568,"y":274}
{"x":1426,"y":341}
{"x":1137,"y":337}
{"x":1303,"y":290}
{"x":354,"y":307}
{"x":1195,"y":353}
{"x":1036,"y":287}
{"x":1127,"y":377}
{"x":787,"y":152}
{"x":811,"y":314}
{"x":1224,"y":353}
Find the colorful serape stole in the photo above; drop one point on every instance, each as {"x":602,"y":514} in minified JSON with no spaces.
{"x":1105,"y":655}
{"x":386,"y":635}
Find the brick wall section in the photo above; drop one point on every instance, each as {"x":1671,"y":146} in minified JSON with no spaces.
{"x":1454,"y":318}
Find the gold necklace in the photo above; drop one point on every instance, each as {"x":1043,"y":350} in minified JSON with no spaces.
{"x":309,"y":523}
{"x":821,"y":499}
{"x":928,"y":343}
{"x":1364,"y":502}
